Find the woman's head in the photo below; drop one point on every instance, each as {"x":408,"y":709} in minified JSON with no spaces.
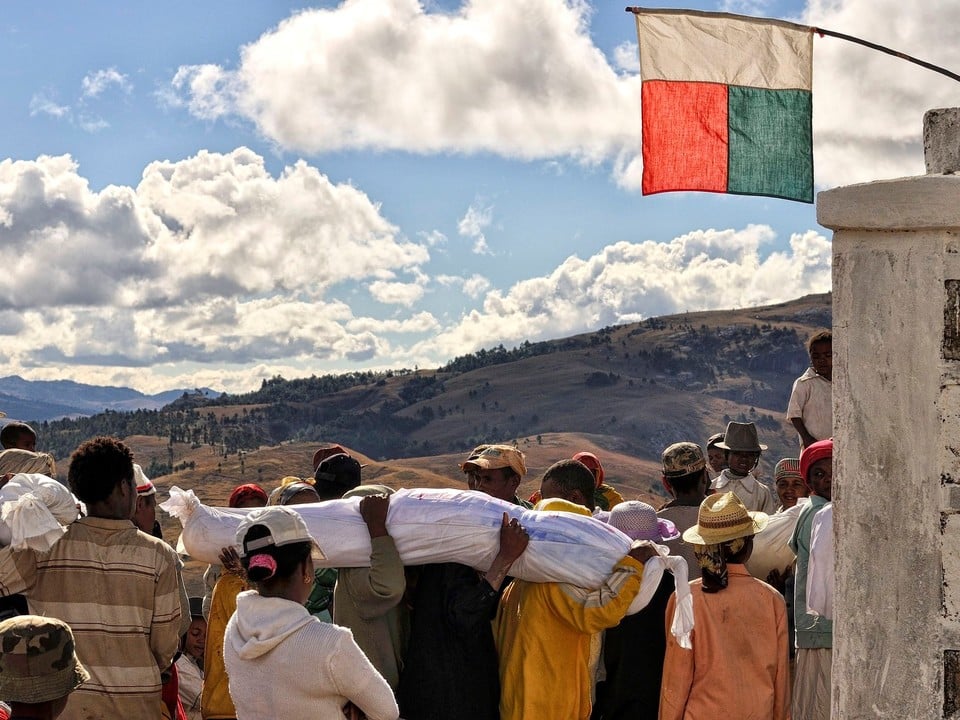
{"x":276,"y":549}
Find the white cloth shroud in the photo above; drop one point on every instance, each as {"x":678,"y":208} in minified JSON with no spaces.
{"x":33,"y":510}
{"x":771,"y":546}
{"x":820,"y":567}
{"x":436,"y":526}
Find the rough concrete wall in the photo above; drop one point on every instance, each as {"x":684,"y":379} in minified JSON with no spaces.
{"x":888,"y":314}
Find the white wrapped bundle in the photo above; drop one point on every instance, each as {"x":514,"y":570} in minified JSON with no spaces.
{"x":34,"y":510}
{"x":429,"y":526}
{"x":771,"y":546}
{"x":820,"y":569}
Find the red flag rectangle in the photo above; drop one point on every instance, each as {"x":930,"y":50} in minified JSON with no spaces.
{"x":685,"y":136}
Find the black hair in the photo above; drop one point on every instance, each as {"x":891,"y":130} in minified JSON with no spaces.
{"x":287,"y":557}
{"x":12,"y":431}
{"x":823,"y":336}
{"x":97,"y":467}
{"x":570,"y":475}
{"x":683,"y":484}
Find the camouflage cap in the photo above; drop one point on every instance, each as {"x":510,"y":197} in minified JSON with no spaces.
{"x":496,"y":456}
{"x":38,"y":661}
{"x":682,"y":458}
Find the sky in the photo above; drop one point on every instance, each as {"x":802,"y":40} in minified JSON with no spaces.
{"x":207,"y":194}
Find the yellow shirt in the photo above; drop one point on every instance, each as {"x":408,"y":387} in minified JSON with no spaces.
{"x":543,"y":633}
{"x":216,"y":701}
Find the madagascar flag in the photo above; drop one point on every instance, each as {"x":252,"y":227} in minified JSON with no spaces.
{"x":726,"y":104}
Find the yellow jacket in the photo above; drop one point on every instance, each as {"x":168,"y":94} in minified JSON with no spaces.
{"x":215,"y":701}
{"x":543,"y":633}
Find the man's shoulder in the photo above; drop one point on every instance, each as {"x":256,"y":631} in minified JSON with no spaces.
{"x":148,"y":542}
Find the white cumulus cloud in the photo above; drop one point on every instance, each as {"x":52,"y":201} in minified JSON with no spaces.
{"x":626,"y":281}
{"x":473,"y":225}
{"x":43,"y":104}
{"x":396,"y":293}
{"x":523,"y":79}
{"x":209,"y":259}
{"x":516,"y":77}
{"x":95,"y":83}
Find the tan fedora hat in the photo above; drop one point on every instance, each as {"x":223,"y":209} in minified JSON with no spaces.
{"x":723,"y":517}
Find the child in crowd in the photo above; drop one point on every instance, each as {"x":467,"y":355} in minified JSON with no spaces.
{"x":810,"y":409}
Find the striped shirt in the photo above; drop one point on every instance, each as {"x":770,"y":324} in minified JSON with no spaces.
{"x":118,"y":589}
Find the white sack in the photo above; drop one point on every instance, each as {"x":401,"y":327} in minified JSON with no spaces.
{"x":33,"y":509}
{"x":438,"y":526}
{"x":428,"y":526}
{"x":771,"y":546}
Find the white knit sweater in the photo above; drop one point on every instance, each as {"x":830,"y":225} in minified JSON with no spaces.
{"x":284,"y":663}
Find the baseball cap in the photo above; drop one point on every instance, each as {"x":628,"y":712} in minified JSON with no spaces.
{"x":682,"y":458}
{"x":340,"y":470}
{"x":39,"y":660}
{"x":493,"y":457}
{"x":286,"y":526}
{"x":327,"y":451}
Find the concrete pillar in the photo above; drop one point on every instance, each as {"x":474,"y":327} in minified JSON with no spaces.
{"x":896,"y":405}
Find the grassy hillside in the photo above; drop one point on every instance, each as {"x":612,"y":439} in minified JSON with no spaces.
{"x":622,"y":392}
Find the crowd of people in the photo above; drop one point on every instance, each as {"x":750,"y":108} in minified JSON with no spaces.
{"x":97,"y":623}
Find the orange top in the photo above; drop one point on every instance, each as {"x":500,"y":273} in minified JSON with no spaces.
{"x":738,"y":665}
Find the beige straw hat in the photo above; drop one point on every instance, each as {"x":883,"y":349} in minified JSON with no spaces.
{"x":723,"y":517}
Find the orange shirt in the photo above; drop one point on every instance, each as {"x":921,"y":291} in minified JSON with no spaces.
{"x":737,"y":668}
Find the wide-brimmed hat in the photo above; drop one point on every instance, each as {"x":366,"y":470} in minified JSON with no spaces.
{"x":681,"y":459}
{"x":723,"y":517}
{"x":285,"y":526}
{"x":714,"y":439}
{"x":493,"y":457}
{"x":741,"y":437}
{"x":38,"y":661}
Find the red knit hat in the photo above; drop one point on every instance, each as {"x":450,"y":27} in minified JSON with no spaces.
{"x":817,"y":451}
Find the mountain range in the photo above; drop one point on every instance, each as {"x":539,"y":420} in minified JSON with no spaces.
{"x":34,"y":400}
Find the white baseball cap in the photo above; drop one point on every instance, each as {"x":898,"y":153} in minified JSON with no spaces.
{"x":286,"y":526}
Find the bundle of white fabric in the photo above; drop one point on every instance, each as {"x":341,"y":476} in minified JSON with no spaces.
{"x":771,"y":546}
{"x":33,"y":510}
{"x":437,"y":526}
